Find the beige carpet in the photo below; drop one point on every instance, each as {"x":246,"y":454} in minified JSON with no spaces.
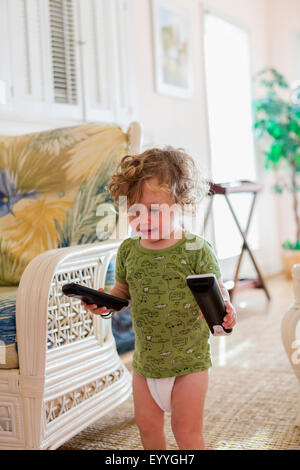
{"x":253,"y":396}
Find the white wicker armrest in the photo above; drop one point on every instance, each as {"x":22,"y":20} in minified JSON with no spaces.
{"x":40,"y":290}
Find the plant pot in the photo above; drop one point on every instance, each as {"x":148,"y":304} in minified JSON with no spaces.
{"x":289,"y":258}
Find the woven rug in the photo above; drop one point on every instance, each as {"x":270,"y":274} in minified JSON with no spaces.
{"x":253,"y":396}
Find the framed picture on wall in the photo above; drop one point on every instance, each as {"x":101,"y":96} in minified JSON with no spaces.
{"x":172,"y":48}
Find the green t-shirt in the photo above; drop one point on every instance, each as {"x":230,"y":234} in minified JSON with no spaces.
{"x":170,"y":337}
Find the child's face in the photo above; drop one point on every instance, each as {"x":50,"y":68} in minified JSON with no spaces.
{"x":153,"y":222}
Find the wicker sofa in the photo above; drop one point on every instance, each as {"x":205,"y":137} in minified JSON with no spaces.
{"x":69,"y":372}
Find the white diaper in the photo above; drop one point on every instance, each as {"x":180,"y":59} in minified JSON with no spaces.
{"x":161,"y":390}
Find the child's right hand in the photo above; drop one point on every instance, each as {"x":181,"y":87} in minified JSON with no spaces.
{"x":93,"y":308}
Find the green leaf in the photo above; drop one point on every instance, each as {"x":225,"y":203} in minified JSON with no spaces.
{"x":278,"y":189}
{"x":273,"y":158}
{"x":288,"y":245}
{"x":294,"y":127}
{"x":258,"y":105}
{"x":260,"y":123}
{"x":274,"y":129}
{"x":276,"y":150}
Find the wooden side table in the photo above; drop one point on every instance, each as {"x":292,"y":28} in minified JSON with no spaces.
{"x":225,"y":189}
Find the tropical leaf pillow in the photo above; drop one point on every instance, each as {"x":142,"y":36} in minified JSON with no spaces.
{"x":52,"y":185}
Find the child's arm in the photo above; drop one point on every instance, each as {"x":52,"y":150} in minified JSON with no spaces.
{"x":119,"y":290}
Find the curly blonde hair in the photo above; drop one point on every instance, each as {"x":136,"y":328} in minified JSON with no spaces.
{"x":176,"y":172}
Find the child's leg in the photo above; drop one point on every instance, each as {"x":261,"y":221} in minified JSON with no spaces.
{"x":187,"y":401}
{"x":149,"y":417}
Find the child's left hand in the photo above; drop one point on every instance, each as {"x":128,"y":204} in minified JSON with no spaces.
{"x":230,"y":317}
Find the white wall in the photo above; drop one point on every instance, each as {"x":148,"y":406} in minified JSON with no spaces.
{"x":166,"y":119}
{"x":283,"y":29}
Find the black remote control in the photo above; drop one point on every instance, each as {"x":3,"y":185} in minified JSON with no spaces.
{"x":207,"y":293}
{"x":93,"y":296}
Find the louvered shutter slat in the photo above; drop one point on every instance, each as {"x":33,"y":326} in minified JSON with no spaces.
{"x":63,"y":50}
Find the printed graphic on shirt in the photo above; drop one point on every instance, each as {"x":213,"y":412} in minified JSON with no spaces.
{"x":170,"y":337}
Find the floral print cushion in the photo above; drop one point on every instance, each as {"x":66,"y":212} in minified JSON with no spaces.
{"x":53,"y":192}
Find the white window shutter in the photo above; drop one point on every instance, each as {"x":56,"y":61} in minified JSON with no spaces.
{"x":107,"y":58}
{"x":19,"y":27}
{"x":64,"y":61}
{"x":63,"y":51}
{"x":27,"y":75}
{"x":68,"y":60}
{"x":6,"y":55}
{"x":96,"y":56}
{"x":124,"y":66}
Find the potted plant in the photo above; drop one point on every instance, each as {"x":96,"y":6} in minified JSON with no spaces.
{"x":277,"y":121}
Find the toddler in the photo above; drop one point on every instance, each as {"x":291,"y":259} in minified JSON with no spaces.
{"x":172,"y":351}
